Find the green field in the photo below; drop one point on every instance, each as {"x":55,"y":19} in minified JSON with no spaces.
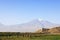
{"x":31,"y":37}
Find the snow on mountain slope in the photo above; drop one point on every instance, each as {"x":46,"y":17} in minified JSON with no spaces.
{"x":29,"y":27}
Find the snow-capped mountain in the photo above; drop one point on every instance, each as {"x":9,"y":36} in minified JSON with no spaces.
{"x":30,"y":26}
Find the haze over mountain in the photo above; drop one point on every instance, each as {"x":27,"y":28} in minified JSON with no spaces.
{"x":28,"y":27}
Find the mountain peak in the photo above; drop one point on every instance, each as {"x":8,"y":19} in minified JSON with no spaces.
{"x":39,"y":19}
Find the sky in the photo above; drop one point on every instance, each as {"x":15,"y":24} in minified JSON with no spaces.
{"x":21,"y":11}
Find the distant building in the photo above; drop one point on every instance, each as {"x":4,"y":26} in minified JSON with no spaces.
{"x":43,"y":30}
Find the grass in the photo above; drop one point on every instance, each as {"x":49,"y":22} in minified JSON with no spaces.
{"x":41,"y":37}
{"x":47,"y":37}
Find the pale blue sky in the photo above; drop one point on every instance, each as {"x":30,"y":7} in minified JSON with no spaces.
{"x":22,"y":11}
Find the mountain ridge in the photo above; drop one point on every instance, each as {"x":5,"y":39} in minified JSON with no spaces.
{"x":29,"y":26}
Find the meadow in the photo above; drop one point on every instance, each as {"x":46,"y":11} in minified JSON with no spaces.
{"x":28,"y":36}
